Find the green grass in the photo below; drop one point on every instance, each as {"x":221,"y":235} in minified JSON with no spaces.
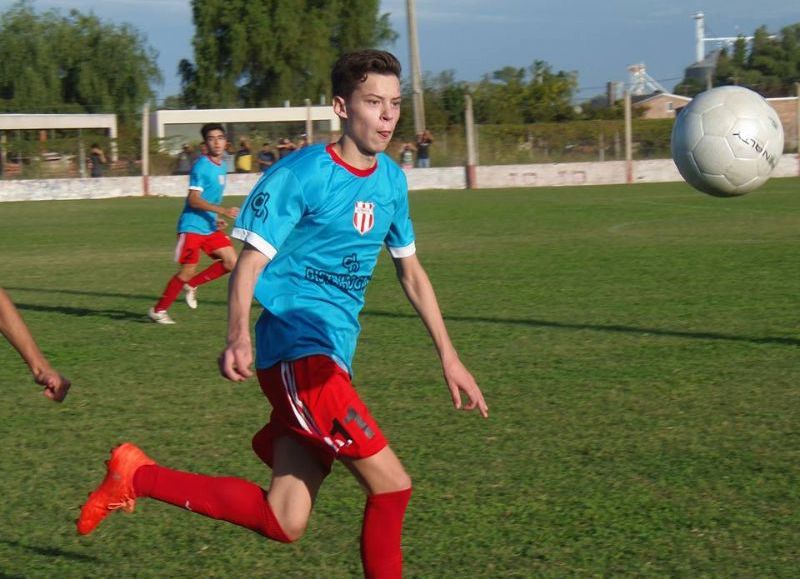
{"x":639,"y":348}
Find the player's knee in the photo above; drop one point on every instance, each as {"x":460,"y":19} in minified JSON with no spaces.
{"x":229,"y":262}
{"x":294,"y":528}
{"x":403,"y":482}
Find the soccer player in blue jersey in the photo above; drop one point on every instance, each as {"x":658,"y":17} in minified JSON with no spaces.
{"x":199,"y":228}
{"x":312,"y":229}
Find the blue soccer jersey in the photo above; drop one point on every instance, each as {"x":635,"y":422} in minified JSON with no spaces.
{"x":207,"y":177}
{"x":322,"y":223}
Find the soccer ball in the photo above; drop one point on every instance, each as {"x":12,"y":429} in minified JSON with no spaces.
{"x":727,"y":141}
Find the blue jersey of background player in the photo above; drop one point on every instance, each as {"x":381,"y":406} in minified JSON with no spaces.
{"x":322,"y":223}
{"x":207,"y":177}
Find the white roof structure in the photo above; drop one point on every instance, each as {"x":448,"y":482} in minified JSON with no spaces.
{"x":23,"y":121}
{"x":159,"y":119}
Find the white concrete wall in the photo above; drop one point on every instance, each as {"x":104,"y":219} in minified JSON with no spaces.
{"x":555,"y":174}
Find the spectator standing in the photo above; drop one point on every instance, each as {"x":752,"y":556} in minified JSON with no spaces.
{"x":229,"y":158}
{"x":97,"y":161}
{"x":407,"y":155}
{"x":265,"y":157}
{"x":285,"y":147}
{"x":185,"y":161}
{"x":424,"y":142}
{"x":244,"y":158}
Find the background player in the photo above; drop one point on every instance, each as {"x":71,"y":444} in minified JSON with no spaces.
{"x":13,"y":327}
{"x":313,"y":229}
{"x":199,"y":229}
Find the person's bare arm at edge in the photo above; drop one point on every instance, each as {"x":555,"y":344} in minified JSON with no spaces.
{"x":236,"y":359}
{"x":13,"y":327}
{"x":419,"y":291}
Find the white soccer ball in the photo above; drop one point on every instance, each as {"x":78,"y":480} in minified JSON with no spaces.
{"x":727,"y":141}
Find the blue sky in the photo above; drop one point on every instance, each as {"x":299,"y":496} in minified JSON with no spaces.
{"x":598,"y":40}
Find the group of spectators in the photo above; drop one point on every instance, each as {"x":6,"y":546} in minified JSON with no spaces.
{"x":420,"y":149}
{"x":412,"y":154}
{"x":241,"y":160}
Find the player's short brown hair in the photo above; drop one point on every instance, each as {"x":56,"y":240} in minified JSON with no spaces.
{"x":352,"y":69}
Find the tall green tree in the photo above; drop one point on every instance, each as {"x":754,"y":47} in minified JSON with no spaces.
{"x":262,"y":52}
{"x":74,"y":63}
{"x":769,"y":64}
{"x":518,"y":95}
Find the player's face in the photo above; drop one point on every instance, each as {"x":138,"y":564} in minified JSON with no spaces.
{"x":216,"y":141}
{"x":371,"y":113}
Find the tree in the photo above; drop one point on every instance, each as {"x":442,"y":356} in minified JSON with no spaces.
{"x":260,"y":52}
{"x":73,"y":63}
{"x":516,"y":95}
{"x":769,"y":65}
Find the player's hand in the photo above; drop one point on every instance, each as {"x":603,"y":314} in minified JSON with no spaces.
{"x":221,"y":224}
{"x":235,"y":361}
{"x":460,"y":380}
{"x":55,"y":385}
{"x":232,"y":212}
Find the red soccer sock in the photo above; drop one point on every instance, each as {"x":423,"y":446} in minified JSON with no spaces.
{"x":380,"y":535}
{"x":174,"y":287}
{"x":225,"y":498}
{"x":211,"y":273}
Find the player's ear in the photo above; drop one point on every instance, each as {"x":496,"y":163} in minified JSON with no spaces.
{"x":340,"y":107}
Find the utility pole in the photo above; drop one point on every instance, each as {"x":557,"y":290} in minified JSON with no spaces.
{"x":417,"y":100}
{"x":628,"y":139}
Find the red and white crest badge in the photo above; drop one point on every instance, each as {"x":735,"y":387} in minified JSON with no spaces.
{"x":364,"y":216}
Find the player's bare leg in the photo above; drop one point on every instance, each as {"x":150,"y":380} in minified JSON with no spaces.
{"x":296,"y":478}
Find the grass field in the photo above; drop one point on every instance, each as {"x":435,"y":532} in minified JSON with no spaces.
{"x":639,"y":348}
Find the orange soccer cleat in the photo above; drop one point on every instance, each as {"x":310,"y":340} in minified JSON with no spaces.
{"x":116,"y":490}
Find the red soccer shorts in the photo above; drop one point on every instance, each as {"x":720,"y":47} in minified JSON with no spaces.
{"x":191,"y":244}
{"x":313,"y":400}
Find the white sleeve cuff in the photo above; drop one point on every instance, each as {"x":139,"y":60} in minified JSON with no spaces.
{"x":255,"y":240}
{"x":406,"y":251}
{"x":195,"y":188}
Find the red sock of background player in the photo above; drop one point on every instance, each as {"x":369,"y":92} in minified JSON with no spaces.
{"x":381,"y":532}
{"x":174,"y":287}
{"x":211,"y":273}
{"x":225,"y":498}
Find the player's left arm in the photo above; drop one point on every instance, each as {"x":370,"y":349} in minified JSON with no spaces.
{"x":13,"y":327}
{"x":420,"y":293}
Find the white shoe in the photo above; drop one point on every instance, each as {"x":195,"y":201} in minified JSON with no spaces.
{"x":190,"y":296}
{"x":160,"y":317}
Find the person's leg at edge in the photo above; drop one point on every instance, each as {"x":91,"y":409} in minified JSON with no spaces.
{"x":225,"y":261}
{"x":174,"y":286}
{"x":388,"y":489}
{"x":280,"y":514}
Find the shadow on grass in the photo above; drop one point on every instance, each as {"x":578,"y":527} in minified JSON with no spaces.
{"x":142,"y":317}
{"x":775,"y":340}
{"x":84,"y":312}
{"x":148,"y":298}
{"x":48,"y":552}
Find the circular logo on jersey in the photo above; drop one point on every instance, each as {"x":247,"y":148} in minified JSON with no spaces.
{"x":258,"y":205}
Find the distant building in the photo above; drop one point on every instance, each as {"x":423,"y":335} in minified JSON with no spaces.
{"x":660,"y":105}
{"x":666,"y":105}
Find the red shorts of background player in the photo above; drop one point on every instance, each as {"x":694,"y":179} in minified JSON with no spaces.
{"x":313,"y":400}
{"x":191,"y":244}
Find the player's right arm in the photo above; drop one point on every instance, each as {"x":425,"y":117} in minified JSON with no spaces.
{"x":236,"y":359}
{"x":196,"y":201}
